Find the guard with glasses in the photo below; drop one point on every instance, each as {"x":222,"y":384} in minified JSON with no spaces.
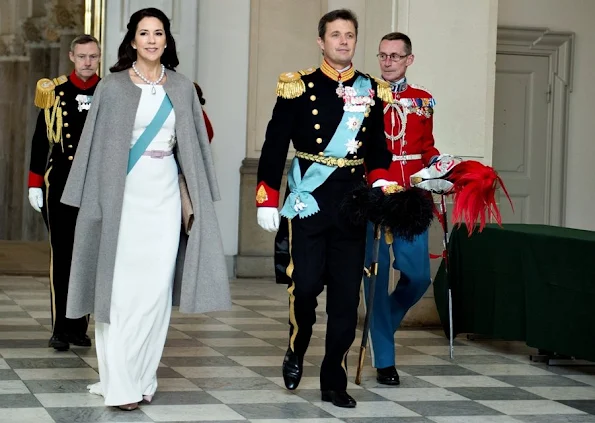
{"x":408,"y":124}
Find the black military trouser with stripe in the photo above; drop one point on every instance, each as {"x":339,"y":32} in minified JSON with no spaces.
{"x":326,"y":249}
{"x":60,"y":220}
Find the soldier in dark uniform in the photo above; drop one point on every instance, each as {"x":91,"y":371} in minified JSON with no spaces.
{"x":64,"y":103}
{"x":333,"y":115}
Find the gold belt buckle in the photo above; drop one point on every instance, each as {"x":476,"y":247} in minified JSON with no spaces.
{"x":340,"y":162}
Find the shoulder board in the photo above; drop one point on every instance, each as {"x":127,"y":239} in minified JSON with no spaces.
{"x":44,"y":93}
{"x":307,"y":71}
{"x":60,"y":80}
{"x":290,"y":84}
{"x":419,"y":87}
{"x":383,"y":91}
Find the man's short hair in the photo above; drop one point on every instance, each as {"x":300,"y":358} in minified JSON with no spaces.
{"x":395,"y":36}
{"x":84,"y":39}
{"x":345,"y":14}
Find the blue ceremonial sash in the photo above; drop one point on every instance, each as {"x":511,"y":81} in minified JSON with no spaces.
{"x":140,"y":146}
{"x":300,"y":201}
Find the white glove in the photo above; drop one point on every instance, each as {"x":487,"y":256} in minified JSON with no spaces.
{"x":268,"y":218}
{"x":381,"y":183}
{"x":36,"y":198}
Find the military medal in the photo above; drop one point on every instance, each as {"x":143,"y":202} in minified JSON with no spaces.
{"x":84,"y":102}
{"x":357,"y":103}
{"x":353,"y":123}
{"x":340,"y":90}
{"x":352,"y":146}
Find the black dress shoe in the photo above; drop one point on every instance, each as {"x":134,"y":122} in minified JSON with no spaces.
{"x":59,"y":343}
{"x":388,"y":376}
{"x":293,"y":366}
{"x":80,"y":340}
{"x":339,"y":399}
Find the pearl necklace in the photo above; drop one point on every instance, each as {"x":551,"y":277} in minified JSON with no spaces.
{"x":151,"y":83}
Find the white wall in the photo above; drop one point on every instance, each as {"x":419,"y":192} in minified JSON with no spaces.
{"x":222,"y":73}
{"x":576,"y":16}
{"x":454,"y":43}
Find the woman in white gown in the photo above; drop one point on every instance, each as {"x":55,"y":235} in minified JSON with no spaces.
{"x":130,"y":347}
{"x":132,"y":308}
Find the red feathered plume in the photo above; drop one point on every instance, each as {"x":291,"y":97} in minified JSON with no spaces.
{"x":474,"y":192}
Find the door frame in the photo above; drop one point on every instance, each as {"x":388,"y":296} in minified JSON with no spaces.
{"x":95,"y":25}
{"x":558,"y":47}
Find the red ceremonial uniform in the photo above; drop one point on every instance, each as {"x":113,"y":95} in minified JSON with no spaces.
{"x":408,"y":125}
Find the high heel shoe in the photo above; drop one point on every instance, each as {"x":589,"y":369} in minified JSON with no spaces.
{"x":128,"y":407}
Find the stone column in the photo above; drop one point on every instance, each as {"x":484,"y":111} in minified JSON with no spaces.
{"x":65,"y":66}
{"x":14,"y":107}
{"x":293,"y":25}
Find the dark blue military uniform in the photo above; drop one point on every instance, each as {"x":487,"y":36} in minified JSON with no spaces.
{"x":64,"y":103}
{"x":324,"y":248}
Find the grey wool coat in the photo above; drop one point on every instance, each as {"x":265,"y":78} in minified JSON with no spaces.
{"x":96,"y":186}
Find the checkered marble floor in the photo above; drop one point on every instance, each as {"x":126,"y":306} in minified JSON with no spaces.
{"x":227,"y":367}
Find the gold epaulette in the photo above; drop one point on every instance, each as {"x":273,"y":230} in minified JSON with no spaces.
{"x":290,"y":84}
{"x":383,"y":90}
{"x":44,"y":92}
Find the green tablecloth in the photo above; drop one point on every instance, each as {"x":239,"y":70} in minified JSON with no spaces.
{"x":531,"y":283}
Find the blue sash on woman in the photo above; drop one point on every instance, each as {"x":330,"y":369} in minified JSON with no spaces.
{"x":152,"y":129}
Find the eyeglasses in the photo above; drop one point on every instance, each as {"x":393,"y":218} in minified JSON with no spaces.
{"x":394,"y":57}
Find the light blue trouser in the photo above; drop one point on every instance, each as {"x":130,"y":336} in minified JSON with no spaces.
{"x":412,"y":259}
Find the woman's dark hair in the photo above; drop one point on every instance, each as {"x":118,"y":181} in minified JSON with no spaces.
{"x":199,"y":93}
{"x":127,"y":54}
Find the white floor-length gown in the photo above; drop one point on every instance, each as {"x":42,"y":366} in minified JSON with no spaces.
{"x":130,"y":347}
